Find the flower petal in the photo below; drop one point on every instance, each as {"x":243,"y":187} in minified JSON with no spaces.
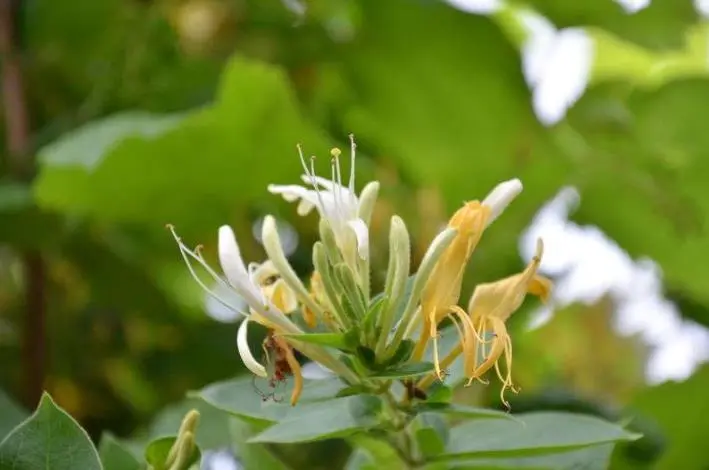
{"x":234,"y":269}
{"x":501,"y":197}
{"x":242,"y":345}
{"x":293,"y":192}
{"x":361,"y":232}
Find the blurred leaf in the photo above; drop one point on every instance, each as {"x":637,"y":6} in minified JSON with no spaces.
{"x":240,"y":398}
{"x":651,"y":170}
{"x":680,"y":410}
{"x":431,"y":433}
{"x":588,"y":458}
{"x":371,"y":452}
{"x":184,"y":171}
{"x":425,"y":102}
{"x":49,"y":435}
{"x":324,"y":420}
{"x":12,"y":414}
{"x":537,"y":431}
{"x":252,"y":455}
{"x":661,"y":25}
{"x":114,"y":456}
{"x":213,"y":431}
{"x":404,"y":371}
{"x":157,"y":451}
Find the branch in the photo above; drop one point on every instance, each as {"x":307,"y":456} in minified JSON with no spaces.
{"x":21,"y":167}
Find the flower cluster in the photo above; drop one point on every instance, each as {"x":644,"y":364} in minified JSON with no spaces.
{"x":337,"y":322}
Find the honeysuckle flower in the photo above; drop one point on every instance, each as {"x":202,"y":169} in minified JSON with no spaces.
{"x":442,"y":291}
{"x":490,"y":306}
{"x":336,"y":203}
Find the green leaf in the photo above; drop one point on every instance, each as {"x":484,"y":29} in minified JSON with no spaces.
{"x":332,"y":340}
{"x":464,"y":67}
{"x":187,"y":162}
{"x":48,"y":435}
{"x":661,"y":184}
{"x":538,"y":431}
{"x":367,"y":357}
{"x":116,"y":457}
{"x":12,"y":414}
{"x":157,"y":451}
{"x":661,"y":25}
{"x":463,"y":411}
{"x":588,"y":458}
{"x":240,"y":398}
{"x":323,"y":420}
{"x":212,"y":431}
{"x":404,"y":371}
{"x":402,"y":353}
{"x":431,"y":434}
{"x":679,"y":410}
{"x":371,"y":452}
{"x":252,"y":455}
{"x":439,"y":393}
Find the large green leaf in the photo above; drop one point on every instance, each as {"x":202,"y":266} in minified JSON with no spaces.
{"x":183,"y":169}
{"x":50,"y":435}
{"x":115,"y":456}
{"x":252,"y":455}
{"x":244,"y":398}
{"x":651,"y":170}
{"x":662,"y":25}
{"x":538,"y":431}
{"x":324,"y":420}
{"x":679,"y":409}
{"x":588,"y":458}
{"x":451,"y":106}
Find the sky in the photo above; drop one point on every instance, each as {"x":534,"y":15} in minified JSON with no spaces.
{"x":585,"y":263}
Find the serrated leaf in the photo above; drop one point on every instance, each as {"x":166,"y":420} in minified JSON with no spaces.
{"x":48,"y":435}
{"x":539,"y":431}
{"x":114,"y":456}
{"x":239,"y":397}
{"x":404,"y":371}
{"x":324,"y":420}
{"x":157,"y":451}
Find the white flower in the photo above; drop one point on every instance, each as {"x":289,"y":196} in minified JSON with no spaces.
{"x":501,"y":196}
{"x":253,"y":284}
{"x":336,"y":203}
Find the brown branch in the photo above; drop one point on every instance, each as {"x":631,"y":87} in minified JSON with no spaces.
{"x":21,"y":166}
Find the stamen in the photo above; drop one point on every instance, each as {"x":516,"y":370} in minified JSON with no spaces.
{"x":336,"y":186}
{"x":184,"y":251}
{"x":353,"y":147}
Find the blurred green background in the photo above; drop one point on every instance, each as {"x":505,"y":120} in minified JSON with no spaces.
{"x":119,"y":116}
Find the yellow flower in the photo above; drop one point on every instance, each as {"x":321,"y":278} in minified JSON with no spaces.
{"x":442,"y":290}
{"x":489,"y":308}
{"x":440,"y":296}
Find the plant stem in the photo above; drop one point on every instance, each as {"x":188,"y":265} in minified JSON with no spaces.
{"x":21,"y":167}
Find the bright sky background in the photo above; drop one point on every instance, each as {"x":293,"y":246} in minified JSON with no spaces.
{"x":585,"y":262}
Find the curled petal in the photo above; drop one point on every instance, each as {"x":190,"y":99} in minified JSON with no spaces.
{"x":501,"y":197}
{"x":361,"y":232}
{"x":242,"y":345}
